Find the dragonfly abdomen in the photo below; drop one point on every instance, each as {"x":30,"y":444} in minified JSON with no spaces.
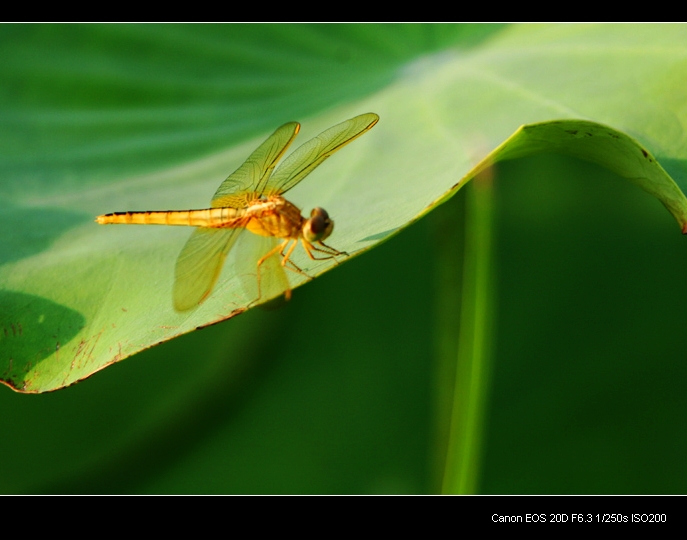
{"x":208,"y":217}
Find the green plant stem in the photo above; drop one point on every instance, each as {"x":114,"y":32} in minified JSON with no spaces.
{"x":472,"y":362}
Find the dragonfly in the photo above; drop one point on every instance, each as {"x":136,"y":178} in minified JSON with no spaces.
{"x":251,"y":199}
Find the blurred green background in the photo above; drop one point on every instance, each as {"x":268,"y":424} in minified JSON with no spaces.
{"x":335,"y":392}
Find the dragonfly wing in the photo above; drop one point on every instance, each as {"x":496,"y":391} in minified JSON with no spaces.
{"x":199,"y":265}
{"x":252,"y":176}
{"x":308,"y":156}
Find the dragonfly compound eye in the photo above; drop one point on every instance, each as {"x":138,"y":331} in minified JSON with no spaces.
{"x":319,"y":226}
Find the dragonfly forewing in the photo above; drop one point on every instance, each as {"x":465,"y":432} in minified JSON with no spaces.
{"x":252,"y":177}
{"x":307,"y":157}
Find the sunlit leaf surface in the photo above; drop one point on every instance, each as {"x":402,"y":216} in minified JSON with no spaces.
{"x":110,"y":118}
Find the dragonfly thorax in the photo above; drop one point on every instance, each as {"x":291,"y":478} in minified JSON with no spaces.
{"x":274,"y":216}
{"x":318,"y":227}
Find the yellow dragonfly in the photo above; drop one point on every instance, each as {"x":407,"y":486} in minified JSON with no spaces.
{"x":251,"y":198}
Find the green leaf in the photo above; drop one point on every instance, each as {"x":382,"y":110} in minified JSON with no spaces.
{"x":115,"y":118}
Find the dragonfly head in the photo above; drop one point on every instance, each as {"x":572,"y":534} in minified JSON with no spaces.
{"x":318,"y":227}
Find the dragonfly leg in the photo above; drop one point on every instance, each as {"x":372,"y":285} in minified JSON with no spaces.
{"x":330,"y":252}
{"x":330,"y":248}
{"x":277,"y":249}
{"x":289,"y":264}
{"x":334,"y":252}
